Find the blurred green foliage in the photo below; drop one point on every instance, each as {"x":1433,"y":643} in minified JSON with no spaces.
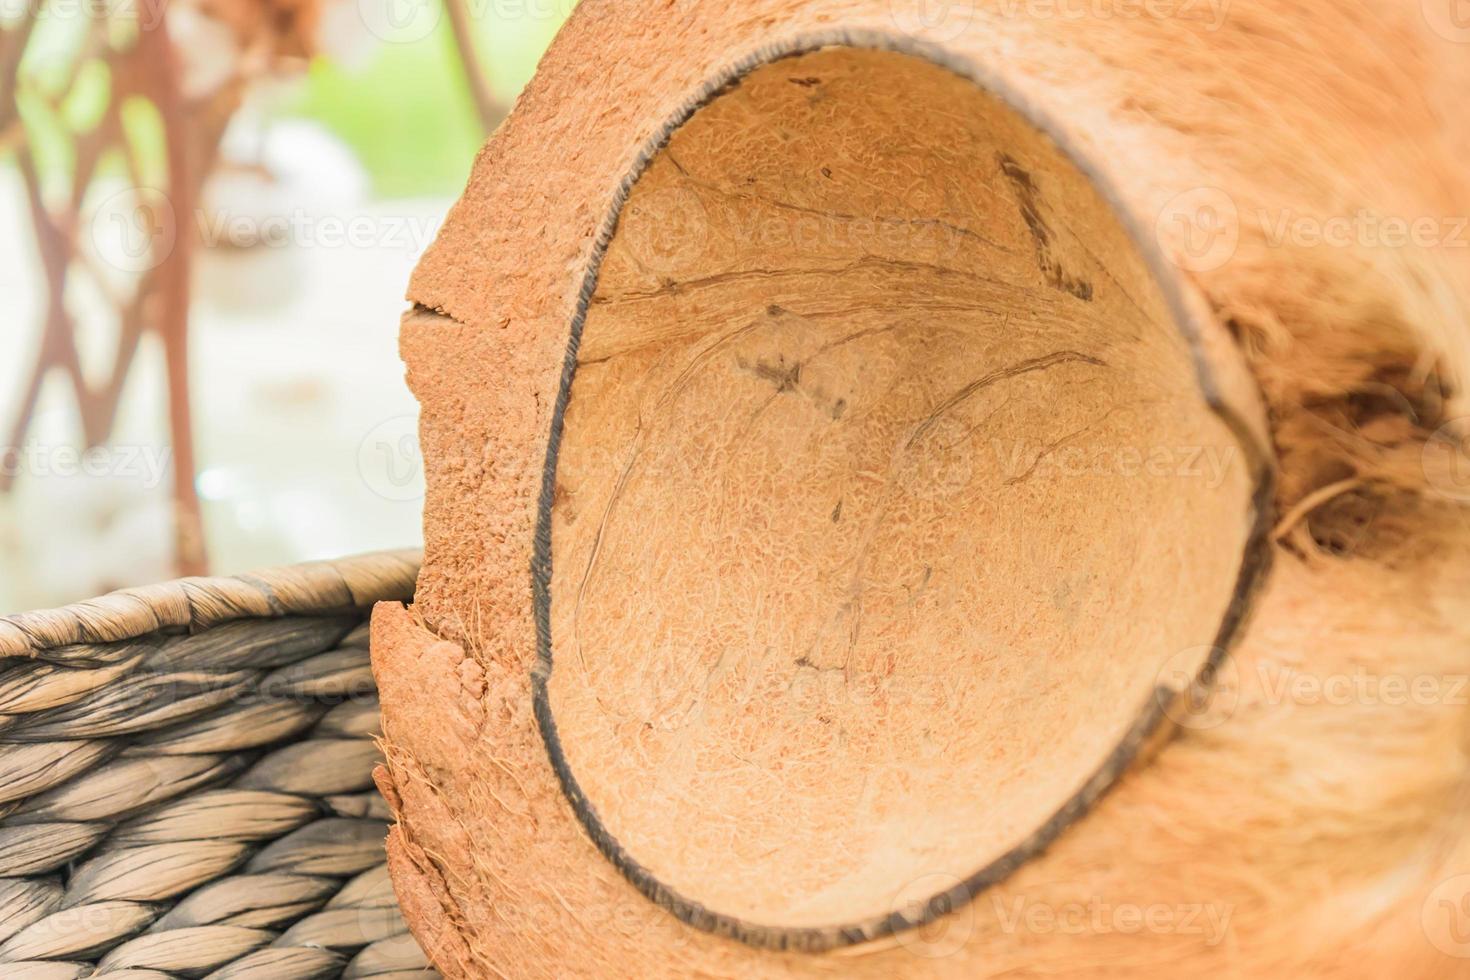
{"x":407,"y":112}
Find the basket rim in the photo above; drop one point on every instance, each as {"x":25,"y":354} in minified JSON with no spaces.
{"x":197,"y":603}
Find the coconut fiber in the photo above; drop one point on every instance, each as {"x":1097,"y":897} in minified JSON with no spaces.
{"x":947,"y":490}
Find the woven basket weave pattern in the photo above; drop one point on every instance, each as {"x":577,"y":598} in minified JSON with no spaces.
{"x":186,"y":783}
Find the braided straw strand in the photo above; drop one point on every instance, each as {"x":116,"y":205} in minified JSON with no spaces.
{"x":186,"y":782}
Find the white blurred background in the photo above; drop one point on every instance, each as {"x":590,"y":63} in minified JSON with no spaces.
{"x":332,"y":177}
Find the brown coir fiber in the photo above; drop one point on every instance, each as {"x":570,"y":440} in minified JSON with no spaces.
{"x":904,"y":459}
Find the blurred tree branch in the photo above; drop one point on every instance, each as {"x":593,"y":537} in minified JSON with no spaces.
{"x":490,"y":109}
{"x":12,"y":48}
{"x":142,"y":61}
{"x":158,"y":299}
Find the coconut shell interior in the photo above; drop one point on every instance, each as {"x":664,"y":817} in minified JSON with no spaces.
{"x":1285,"y":832}
{"x":884,"y":508}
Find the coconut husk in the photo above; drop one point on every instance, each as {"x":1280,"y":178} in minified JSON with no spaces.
{"x":720,"y":354}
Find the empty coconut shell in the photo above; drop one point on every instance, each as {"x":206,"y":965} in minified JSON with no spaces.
{"x":859,"y":439}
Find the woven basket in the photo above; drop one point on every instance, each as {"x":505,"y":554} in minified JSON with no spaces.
{"x":186,"y":783}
